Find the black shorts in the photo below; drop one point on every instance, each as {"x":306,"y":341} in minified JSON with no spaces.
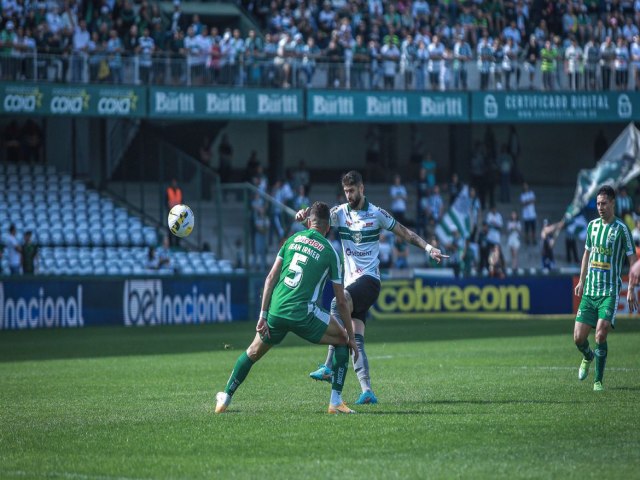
{"x":364,"y":293}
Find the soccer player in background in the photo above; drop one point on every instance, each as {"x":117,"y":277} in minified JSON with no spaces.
{"x":359,"y":223}
{"x":290,"y":303}
{"x":608,"y":242}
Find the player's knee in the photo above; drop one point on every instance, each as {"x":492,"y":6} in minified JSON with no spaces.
{"x":601,"y":335}
{"x":347,"y":297}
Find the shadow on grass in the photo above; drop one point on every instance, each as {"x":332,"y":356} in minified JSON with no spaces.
{"x":118,"y":341}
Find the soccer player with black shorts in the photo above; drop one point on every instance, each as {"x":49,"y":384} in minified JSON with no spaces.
{"x":608,"y":243}
{"x":359,"y":223}
{"x":290,"y":303}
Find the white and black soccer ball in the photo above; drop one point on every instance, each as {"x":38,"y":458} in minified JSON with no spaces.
{"x":181,"y":220}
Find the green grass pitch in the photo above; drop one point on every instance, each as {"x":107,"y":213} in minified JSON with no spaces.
{"x":459,"y":398}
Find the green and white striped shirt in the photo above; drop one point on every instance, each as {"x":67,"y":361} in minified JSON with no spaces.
{"x":607,"y":244}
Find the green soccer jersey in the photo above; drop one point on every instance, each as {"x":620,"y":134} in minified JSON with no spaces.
{"x":308,"y":260}
{"x":608,"y":245}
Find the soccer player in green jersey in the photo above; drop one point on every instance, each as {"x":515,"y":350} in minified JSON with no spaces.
{"x":608,"y":242}
{"x":291,"y":303}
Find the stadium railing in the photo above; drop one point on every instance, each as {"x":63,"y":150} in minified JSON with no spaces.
{"x":277,"y":72}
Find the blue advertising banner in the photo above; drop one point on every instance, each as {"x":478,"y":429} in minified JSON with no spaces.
{"x":225,"y":103}
{"x":560,"y":107}
{"x":78,"y":302}
{"x":417,"y":297}
{"x":334,"y":105}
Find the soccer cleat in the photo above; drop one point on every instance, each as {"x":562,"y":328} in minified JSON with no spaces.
{"x":597,"y":387}
{"x":584,"y":369}
{"x":366,"y":397}
{"x":222,"y":401}
{"x":342,"y":408}
{"x":322,"y":374}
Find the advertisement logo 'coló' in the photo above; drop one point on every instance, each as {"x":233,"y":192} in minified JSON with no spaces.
{"x":414,"y":297}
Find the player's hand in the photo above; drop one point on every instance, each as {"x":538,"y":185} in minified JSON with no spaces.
{"x":631,"y":299}
{"x":578,"y":290}
{"x":302,"y":214}
{"x":354,"y":349}
{"x":262,"y":328}
{"x":437,"y":255}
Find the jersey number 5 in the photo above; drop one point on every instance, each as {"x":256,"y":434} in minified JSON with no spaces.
{"x":296,"y":267}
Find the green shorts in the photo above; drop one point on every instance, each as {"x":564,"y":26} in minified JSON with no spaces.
{"x":311,"y":327}
{"x":592,"y":309}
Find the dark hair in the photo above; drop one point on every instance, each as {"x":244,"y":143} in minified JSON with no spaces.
{"x":352,"y":178}
{"x":319,"y":214}
{"x":608,"y":191}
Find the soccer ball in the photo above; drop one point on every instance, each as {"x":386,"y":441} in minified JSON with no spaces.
{"x":181,"y":220}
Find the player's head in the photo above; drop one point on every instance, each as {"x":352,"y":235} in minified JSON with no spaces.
{"x":353,"y":188}
{"x":319,"y":217}
{"x":605,"y":202}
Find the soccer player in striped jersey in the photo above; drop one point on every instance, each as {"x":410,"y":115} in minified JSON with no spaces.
{"x":608,"y":243}
{"x":359,"y":223}
{"x":290,"y":303}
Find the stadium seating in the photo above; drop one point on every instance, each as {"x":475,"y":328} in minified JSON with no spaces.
{"x":77,"y":230}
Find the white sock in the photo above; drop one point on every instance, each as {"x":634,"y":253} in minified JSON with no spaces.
{"x":336,"y":397}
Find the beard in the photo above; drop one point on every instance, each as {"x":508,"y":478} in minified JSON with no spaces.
{"x":355,"y":201}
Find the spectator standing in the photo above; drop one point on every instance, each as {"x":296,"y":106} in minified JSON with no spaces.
{"x":13,"y":249}
{"x":531,"y":55}
{"x":81,"y":39}
{"x":398,"y":194}
{"x":634,"y":53}
{"x":514,"y":230}
{"x":607,"y":57}
{"x":529,"y":216}
{"x":573,"y":64}
{"x":478,"y":172}
{"x":496,"y":224}
{"x":621,"y":64}
{"x":549,"y":56}
{"x":29,"y":254}
{"x":390,"y":57}
{"x":547,"y":237}
{"x":145,"y":49}
{"x":592,"y":58}
{"x":461,"y":55}
{"x":385,"y":252}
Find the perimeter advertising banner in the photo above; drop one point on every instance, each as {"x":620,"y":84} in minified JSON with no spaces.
{"x":225,"y":103}
{"x":81,"y":100}
{"x":524,"y":106}
{"x":345,"y":106}
{"x":74,"y":303}
{"x":420,"y":297}
{"x":623,"y":306}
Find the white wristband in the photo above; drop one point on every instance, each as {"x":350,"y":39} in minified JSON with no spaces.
{"x":263,"y":314}
{"x":428,"y":249}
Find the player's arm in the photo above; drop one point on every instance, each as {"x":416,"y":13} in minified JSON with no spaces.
{"x":269,"y":284}
{"x":414,"y":239}
{"x":583,"y":273}
{"x":633,"y":283}
{"x":345,"y":314}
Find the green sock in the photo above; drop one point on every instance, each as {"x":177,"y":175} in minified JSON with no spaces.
{"x":240,"y":372}
{"x":585,"y":350}
{"x":601,"y":360}
{"x":340,"y":362}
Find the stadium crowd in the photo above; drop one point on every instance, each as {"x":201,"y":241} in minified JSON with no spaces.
{"x":445,"y":44}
